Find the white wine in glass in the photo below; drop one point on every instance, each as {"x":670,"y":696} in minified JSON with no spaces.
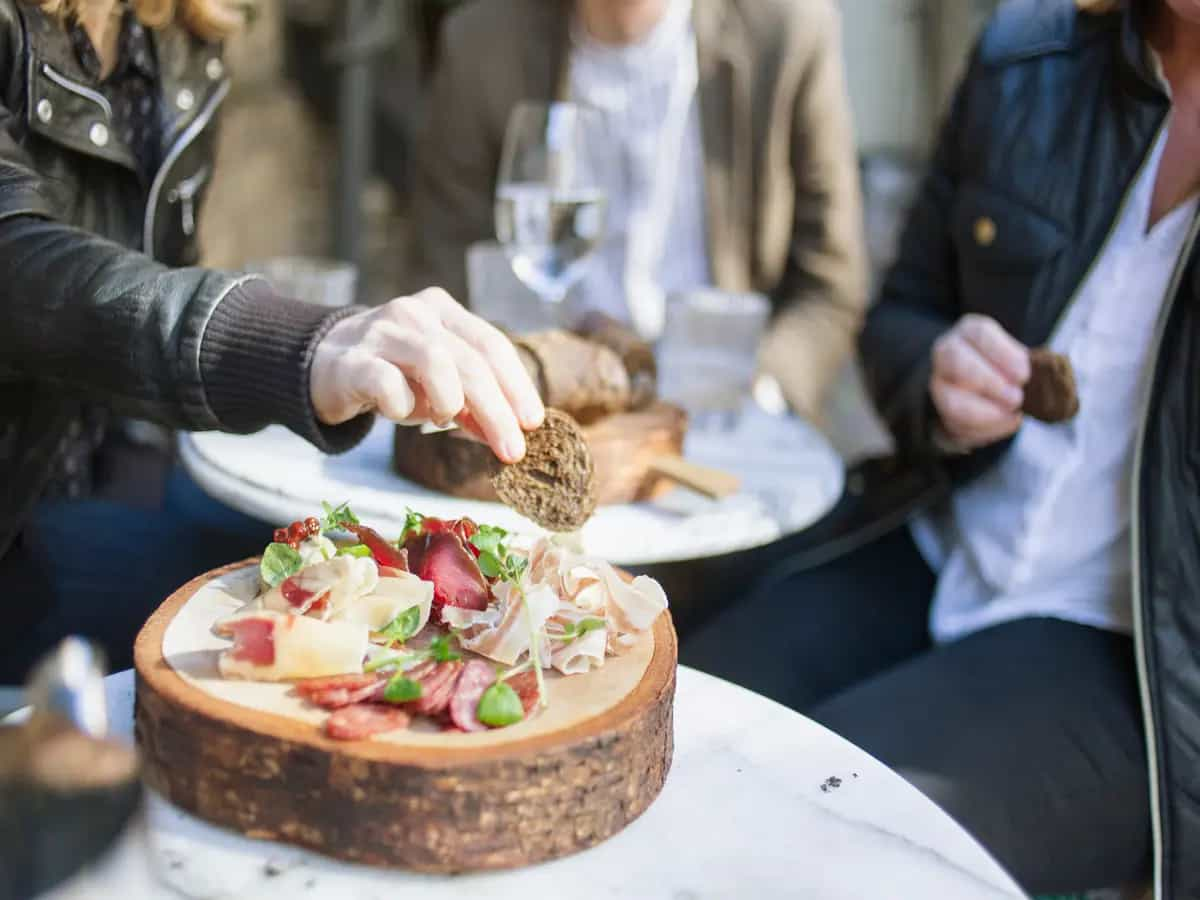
{"x":550,"y":204}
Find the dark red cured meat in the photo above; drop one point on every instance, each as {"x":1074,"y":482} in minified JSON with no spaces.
{"x":298,"y":597}
{"x":437,"y":689}
{"x":337,"y":691}
{"x":443,"y":559}
{"x":385,"y":552}
{"x":253,"y":640}
{"x":362,"y":720}
{"x":526,"y":686}
{"x":464,"y":529}
{"x":477,"y":676}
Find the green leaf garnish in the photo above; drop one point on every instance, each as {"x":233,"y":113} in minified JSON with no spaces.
{"x":413,"y":524}
{"x":500,"y":706}
{"x":489,"y":565}
{"x":279,"y":561}
{"x":404,"y":625}
{"x":401,"y":689}
{"x":337,"y":517}
{"x":384,"y":662}
{"x":359,"y":550}
{"x":440,"y":649}
{"x":578,"y":629}
{"x":490,"y":539}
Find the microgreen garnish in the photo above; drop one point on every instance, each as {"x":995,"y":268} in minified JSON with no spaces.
{"x":362,"y":551}
{"x":499,"y":706}
{"x":338,"y":517}
{"x":404,"y":625}
{"x":495,"y":561}
{"x":401,"y":689}
{"x":386,"y":662}
{"x":442,"y":651}
{"x":279,"y":562}
{"x":414,"y":524}
{"x":575,"y":630}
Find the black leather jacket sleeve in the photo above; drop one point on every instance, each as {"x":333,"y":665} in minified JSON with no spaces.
{"x":919,"y":299}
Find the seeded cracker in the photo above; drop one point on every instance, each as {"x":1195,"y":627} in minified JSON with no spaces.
{"x":1050,"y":394}
{"x":554,"y":485}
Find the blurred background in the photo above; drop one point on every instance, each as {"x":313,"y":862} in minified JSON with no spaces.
{"x":291,"y":148}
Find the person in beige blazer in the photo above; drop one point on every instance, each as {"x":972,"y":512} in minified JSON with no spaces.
{"x":779,"y":179}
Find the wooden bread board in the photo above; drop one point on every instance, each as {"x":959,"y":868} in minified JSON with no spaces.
{"x":446,"y":809}
{"x":624,"y":449}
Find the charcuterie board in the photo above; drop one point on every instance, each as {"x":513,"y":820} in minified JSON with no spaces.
{"x":251,"y":757}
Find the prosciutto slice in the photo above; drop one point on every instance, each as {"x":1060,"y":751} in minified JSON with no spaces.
{"x":442,"y":558}
{"x":300,"y":646}
{"x":362,"y":720}
{"x":526,"y":686}
{"x":503,"y":631}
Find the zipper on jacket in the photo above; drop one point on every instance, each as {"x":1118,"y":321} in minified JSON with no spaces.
{"x":78,"y":89}
{"x":1135,"y":541}
{"x":189,"y":134}
{"x":184,"y":194}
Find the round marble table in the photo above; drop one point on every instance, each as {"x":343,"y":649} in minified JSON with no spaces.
{"x":760,"y":803}
{"x":790,"y":477}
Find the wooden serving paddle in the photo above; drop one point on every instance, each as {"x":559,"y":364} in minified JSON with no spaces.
{"x":712,"y":483}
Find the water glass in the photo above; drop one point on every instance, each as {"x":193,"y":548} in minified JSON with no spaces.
{"x":495,"y":293}
{"x":325,"y":282}
{"x":708,"y":354}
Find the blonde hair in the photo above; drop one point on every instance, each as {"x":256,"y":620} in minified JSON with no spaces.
{"x":1098,"y":6}
{"x":211,"y":20}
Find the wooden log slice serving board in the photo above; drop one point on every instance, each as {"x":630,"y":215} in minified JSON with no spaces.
{"x":252,"y":757}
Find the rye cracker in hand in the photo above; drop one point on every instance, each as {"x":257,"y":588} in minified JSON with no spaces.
{"x":554,"y":485}
{"x":1051,"y":395}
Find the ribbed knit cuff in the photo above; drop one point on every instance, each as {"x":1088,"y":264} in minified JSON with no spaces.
{"x":255,"y":358}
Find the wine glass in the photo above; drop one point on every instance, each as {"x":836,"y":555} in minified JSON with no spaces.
{"x":550,"y":204}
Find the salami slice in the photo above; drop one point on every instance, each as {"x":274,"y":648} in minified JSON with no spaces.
{"x":477,"y":676}
{"x":437,"y":689}
{"x":525,"y":684}
{"x":342,"y":690}
{"x":362,"y":720}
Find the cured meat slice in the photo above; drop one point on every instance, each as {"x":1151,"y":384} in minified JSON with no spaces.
{"x":477,"y":676}
{"x":342,"y":690}
{"x":253,"y":641}
{"x":273,"y":646}
{"x":385,"y":552}
{"x":442,"y":558}
{"x":526,"y":686}
{"x":362,"y":720}
{"x":437,"y":689}
{"x":464,"y":529}
{"x":324,"y":588}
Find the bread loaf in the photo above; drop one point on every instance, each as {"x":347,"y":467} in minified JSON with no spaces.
{"x":583,"y":378}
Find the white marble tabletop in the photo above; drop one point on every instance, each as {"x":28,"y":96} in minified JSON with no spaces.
{"x":760,"y":802}
{"x":790,"y":477}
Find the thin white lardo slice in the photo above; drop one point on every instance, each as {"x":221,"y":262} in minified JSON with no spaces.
{"x":392,"y":596}
{"x":274,"y":646}
{"x":340,"y":581}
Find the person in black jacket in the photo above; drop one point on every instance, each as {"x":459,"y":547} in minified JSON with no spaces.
{"x":1017,"y":648}
{"x":107,"y":111}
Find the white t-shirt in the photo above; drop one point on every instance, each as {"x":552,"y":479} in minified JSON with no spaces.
{"x":633,"y":85}
{"x":1046,"y":531}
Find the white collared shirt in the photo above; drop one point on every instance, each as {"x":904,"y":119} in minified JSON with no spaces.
{"x":1046,"y":531}
{"x":632,"y":85}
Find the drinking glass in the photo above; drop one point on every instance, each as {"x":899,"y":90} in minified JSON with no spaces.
{"x":550,"y":204}
{"x":708,"y":354}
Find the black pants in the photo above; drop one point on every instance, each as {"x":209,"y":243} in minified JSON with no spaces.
{"x":1028,"y":733}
